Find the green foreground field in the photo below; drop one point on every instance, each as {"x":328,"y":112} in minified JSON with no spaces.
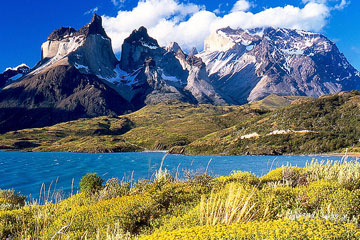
{"x":275,"y":125}
{"x":321,"y":201}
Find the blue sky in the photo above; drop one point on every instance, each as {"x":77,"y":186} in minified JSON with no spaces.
{"x":26,"y":24}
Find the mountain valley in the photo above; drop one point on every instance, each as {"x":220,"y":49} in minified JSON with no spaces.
{"x":254,"y":91}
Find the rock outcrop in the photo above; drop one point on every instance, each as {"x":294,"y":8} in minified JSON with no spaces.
{"x":163,"y":74}
{"x":88,"y":49}
{"x":249,"y":65}
{"x":65,"y":85}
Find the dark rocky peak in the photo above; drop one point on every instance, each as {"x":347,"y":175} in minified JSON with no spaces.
{"x":137,"y":47}
{"x":94,"y":27}
{"x":193,"y":51}
{"x":228,"y":30}
{"x":141,"y":36}
{"x":195,"y":61}
{"x":61,"y":33}
{"x":173,"y":47}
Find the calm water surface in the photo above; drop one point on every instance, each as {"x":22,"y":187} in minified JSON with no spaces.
{"x":26,"y":172}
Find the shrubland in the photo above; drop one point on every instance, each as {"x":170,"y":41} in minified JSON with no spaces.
{"x":320,"y":201}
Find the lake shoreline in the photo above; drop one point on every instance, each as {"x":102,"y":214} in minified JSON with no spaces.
{"x":351,"y":154}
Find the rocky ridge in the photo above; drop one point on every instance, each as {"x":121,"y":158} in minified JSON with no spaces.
{"x":251,"y":64}
{"x":79,"y":76}
{"x":65,"y":85}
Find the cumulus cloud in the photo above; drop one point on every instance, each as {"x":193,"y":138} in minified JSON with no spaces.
{"x":241,"y":5}
{"x":189,"y":24}
{"x":333,"y":4}
{"x":117,"y":2}
{"x":342,"y":5}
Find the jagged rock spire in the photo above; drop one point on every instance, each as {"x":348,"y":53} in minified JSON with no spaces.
{"x":137,"y":47}
{"x":173,"y":47}
{"x":193,"y":51}
{"x":141,"y":35}
{"x":94,"y":27}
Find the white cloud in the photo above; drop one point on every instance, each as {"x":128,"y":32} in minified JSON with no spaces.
{"x":91,"y":11}
{"x":333,"y":4}
{"x":189,"y":24}
{"x":342,"y":5}
{"x":241,"y":5}
{"x":117,"y":2}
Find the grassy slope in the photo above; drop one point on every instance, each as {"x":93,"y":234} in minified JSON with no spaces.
{"x":274,"y":102}
{"x":154,"y":127}
{"x":330,"y":123}
{"x":327,"y":124}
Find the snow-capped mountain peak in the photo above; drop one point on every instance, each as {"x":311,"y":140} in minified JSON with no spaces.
{"x":253,"y":63}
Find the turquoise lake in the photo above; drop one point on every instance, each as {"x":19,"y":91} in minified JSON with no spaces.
{"x":27,"y":172}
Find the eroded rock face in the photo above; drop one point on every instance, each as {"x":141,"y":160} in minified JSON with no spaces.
{"x":169,"y":75}
{"x":66,"y":84}
{"x":60,"y":94}
{"x":88,"y":50}
{"x":137,"y":47}
{"x":79,"y":75}
{"x":61,"y":33}
{"x":249,"y":65}
{"x":193,"y":51}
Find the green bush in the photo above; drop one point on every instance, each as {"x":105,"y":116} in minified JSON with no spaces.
{"x":114,"y":188}
{"x":91,"y":183}
{"x":10,"y":200}
{"x":292,"y":176}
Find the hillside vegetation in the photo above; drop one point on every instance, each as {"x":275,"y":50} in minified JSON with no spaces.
{"x":328,"y":124}
{"x":321,"y":201}
{"x":274,"y":125}
{"x":154,"y":127}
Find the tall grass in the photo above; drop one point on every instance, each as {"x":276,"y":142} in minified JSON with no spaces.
{"x":346,"y":173}
{"x":236,"y":207}
{"x":326,"y":190}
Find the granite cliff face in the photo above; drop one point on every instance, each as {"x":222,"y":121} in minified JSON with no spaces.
{"x":152,"y":74}
{"x":88,"y":50}
{"x":249,"y":65}
{"x":79,"y":76}
{"x":65,"y":84}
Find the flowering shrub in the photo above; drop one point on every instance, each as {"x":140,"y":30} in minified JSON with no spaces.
{"x":286,"y":175}
{"x":129,"y":212}
{"x":239,"y":176}
{"x":287,"y":203}
{"x":278,"y":229}
{"x":10,"y":200}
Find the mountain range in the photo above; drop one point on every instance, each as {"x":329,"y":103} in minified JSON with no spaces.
{"x":79,"y":75}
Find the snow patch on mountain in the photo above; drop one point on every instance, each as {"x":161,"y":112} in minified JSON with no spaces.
{"x":169,"y":78}
{"x":149,"y":46}
{"x":122,"y":77}
{"x":22,"y":67}
{"x":82,"y":67}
